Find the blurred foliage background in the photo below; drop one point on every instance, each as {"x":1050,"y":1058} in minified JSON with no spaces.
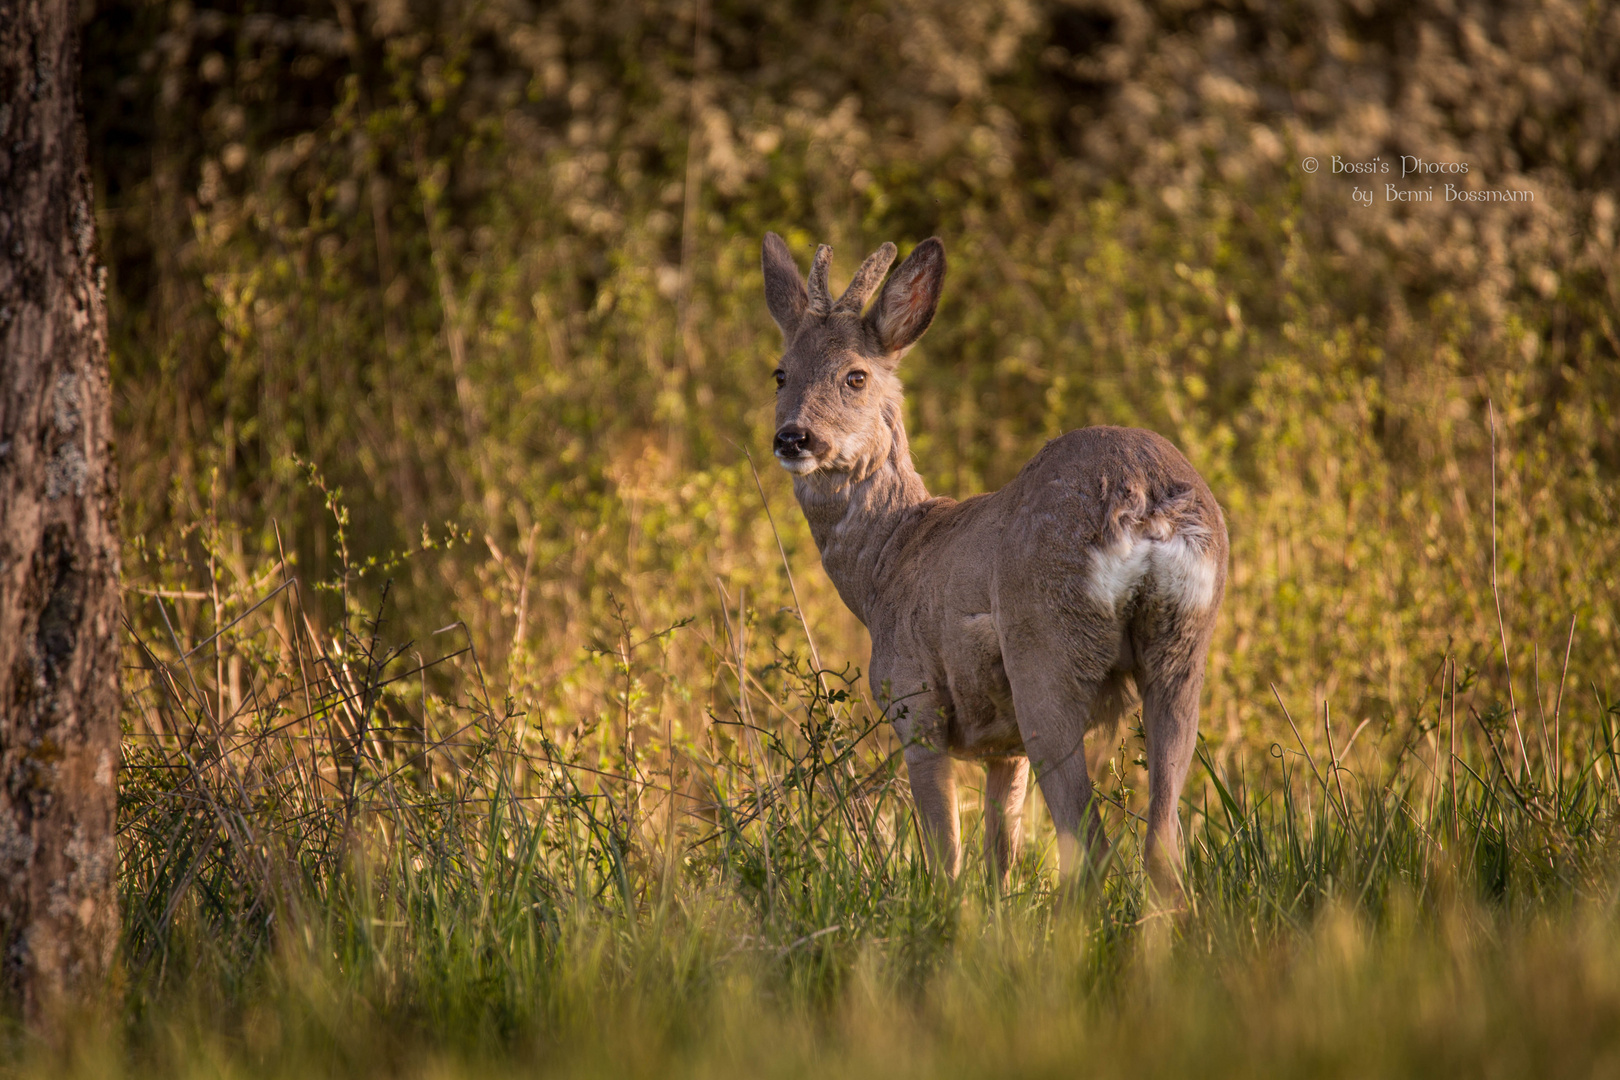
{"x":490,"y":269}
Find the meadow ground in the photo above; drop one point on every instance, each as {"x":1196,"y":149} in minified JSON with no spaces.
{"x":488,"y":714}
{"x":312,"y":887}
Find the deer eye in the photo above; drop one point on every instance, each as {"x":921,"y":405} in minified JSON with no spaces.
{"x":780,"y":376}
{"x":855,"y":380}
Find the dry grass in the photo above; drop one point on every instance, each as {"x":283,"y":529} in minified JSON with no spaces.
{"x":450,"y":314}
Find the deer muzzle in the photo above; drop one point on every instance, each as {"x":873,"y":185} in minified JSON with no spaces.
{"x":794,"y":449}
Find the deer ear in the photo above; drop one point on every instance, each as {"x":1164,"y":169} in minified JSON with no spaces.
{"x":907,"y":303}
{"x":785,"y":292}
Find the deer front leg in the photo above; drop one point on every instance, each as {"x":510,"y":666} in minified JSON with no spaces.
{"x":1006,"y":783}
{"x":933,"y":788}
{"x":919,"y":723}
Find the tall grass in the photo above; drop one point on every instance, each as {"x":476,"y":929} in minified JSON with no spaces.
{"x":560,"y":782}
{"x":344,"y":850}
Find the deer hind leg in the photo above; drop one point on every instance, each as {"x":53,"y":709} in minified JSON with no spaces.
{"x":1170,"y":722}
{"x":1006,"y":784}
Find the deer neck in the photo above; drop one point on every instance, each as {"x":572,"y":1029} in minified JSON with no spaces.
{"x":858,"y":517}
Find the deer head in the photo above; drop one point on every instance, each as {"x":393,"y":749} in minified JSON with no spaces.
{"x":838,"y":396}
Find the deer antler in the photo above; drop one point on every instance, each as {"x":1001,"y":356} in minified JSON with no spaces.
{"x":866,"y":280}
{"x":820,"y":302}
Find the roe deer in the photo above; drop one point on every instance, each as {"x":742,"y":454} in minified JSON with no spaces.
{"x":1006,"y":625}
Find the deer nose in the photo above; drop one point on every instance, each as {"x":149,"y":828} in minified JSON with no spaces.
{"x":792,"y":442}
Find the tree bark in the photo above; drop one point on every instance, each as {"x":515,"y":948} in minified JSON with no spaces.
{"x":59,"y":602}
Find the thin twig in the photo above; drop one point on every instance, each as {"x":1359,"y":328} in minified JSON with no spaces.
{"x":1333,"y":755}
{"x":815,"y":656}
{"x":1327,"y":791}
{"x":1452,"y":682}
{"x":1501,"y":626}
{"x":1558,"y":707}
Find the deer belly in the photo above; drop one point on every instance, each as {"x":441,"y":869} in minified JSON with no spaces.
{"x":986,"y":735}
{"x":981,"y":721}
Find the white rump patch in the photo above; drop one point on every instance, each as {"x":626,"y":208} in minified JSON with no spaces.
{"x":1118,"y":569}
{"x":1184,"y":572}
{"x":1175,"y":568}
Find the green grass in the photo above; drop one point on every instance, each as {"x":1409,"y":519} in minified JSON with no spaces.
{"x":491,"y":271}
{"x":345,"y":858}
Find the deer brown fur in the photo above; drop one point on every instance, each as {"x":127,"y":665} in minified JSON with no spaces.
{"x":1006,"y":625}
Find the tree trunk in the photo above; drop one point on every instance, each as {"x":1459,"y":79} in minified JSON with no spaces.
{"x":58,"y":535}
